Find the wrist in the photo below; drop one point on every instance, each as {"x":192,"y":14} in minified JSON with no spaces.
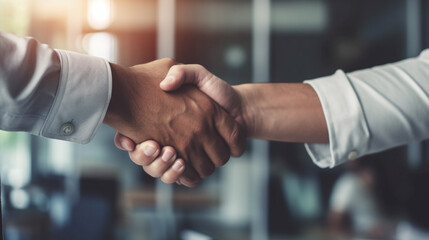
{"x":116,"y":109}
{"x":248,"y":108}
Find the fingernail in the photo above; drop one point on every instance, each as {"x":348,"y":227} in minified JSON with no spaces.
{"x":149,"y":150}
{"x":177,"y":166}
{"x":167,"y":80}
{"x":126,"y":146}
{"x":167,"y":155}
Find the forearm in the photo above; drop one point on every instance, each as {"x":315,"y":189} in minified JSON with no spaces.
{"x":289,"y":112}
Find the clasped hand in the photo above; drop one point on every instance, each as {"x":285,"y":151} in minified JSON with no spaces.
{"x":195,"y":133}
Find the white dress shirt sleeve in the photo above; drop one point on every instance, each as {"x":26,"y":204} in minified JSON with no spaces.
{"x":372,"y":110}
{"x":51,"y":93}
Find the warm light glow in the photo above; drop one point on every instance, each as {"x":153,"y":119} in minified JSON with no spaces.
{"x":99,"y":13}
{"x":101,"y":44}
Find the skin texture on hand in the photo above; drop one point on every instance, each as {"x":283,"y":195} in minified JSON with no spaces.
{"x":200,"y":131}
{"x":217,"y":89}
{"x":285,"y":112}
{"x":282,"y":112}
{"x":153,"y":162}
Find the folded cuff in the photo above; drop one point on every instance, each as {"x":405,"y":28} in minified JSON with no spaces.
{"x":348,"y":130}
{"x":82,"y":98}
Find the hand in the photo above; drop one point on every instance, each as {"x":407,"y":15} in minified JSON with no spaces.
{"x":156,"y":163}
{"x":228,"y":97}
{"x":202,"y":132}
{"x":214,"y":87}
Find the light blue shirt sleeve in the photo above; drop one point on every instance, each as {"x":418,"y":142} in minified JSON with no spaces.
{"x":51,"y":93}
{"x":373,"y":110}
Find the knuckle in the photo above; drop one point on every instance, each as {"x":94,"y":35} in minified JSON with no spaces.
{"x":193,"y":183}
{"x":152,"y":172}
{"x":190,"y":182}
{"x":155,"y":174}
{"x":176,"y":69}
{"x":168,"y":179}
{"x":198,"y":128}
{"x":200,"y":67}
{"x":237,"y":142}
{"x":234,"y":137}
{"x":207,"y":171}
{"x":138,"y":158}
{"x":169,"y":61}
{"x":146,"y":160}
{"x":223,"y":160}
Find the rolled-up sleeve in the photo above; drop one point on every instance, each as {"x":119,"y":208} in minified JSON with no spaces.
{"x":51,"y":93}
{"x":372,"y":110}
{"x":348,"y":130}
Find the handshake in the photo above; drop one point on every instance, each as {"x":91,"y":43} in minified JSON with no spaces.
{"x":178,"y":122}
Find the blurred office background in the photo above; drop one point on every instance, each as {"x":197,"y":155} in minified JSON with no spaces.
{"x":58,"y":190}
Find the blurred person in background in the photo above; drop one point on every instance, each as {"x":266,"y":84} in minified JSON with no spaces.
{"x":354,"y":209}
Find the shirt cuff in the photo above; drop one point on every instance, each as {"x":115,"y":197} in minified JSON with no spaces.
{"x":82,"y":98}
{"x":348,"y":130}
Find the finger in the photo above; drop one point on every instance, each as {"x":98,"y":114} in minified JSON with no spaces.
{"x":163,"y":162}
{"x":202,"y":163}
{"x":124,"y":143}
{"x":145,"y":153}
{"x":217,"y":89}
{"x":179,"y":75}
{"x":217,"y":150}
{"x":231,"y":132}
{"x":190,"y":177}
{"x":174,"y":172}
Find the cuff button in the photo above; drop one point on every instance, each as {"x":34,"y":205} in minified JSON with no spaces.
{"x":67,"y":129}
{"x":352,"y":155}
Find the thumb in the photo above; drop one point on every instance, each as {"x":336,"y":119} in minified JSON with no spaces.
{"x":179,"y":75}
{"x":124,"y":143}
